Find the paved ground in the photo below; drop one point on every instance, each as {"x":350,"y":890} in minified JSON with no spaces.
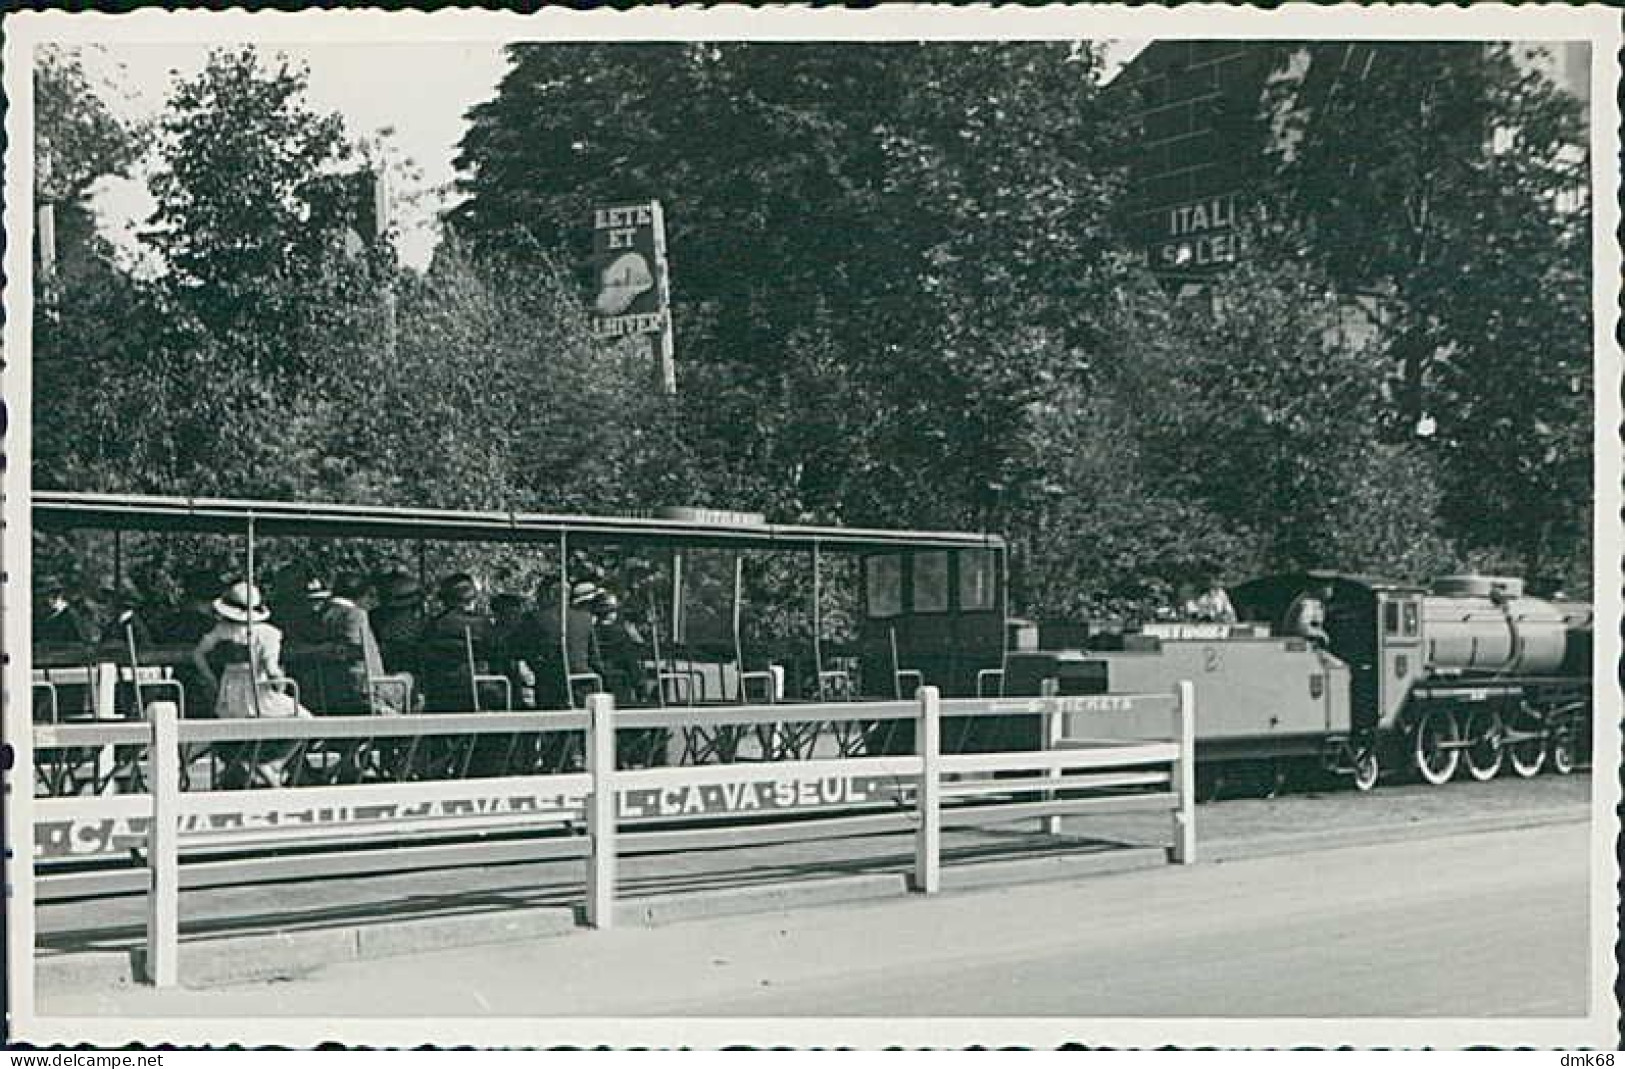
{"x":1491,"y":924}
{"x":1238,"y":827}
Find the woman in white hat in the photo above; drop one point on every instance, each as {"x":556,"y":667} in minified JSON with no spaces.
{"x":240,"y":663}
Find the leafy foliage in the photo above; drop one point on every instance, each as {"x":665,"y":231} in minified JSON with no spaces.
{"x":900,"y":299}
{"x":1465,"y":212}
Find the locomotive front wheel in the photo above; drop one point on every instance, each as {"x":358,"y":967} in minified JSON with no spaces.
{"x":1563,"y":745}
{"x":1366,"y":769}
{"x":1528,"y":756}
{"x":1433,"y":749}
{"x":1485,"y":754}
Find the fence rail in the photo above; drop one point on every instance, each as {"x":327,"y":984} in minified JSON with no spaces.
{"x":1140,"y":746}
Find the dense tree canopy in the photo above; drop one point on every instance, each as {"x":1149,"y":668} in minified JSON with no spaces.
{"x":874,"y":247}
{"x":1464,"y":212}
{"x":901,"y":298}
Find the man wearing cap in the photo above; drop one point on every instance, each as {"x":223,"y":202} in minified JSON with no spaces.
{"x":456,"y":636}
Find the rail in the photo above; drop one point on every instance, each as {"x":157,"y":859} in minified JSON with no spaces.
{"x":1103,"y":752}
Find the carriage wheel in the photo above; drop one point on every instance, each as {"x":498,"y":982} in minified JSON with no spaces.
{"x":1564,"y":747}
{"x":1367,"y":770}
{"x":1432,"y":751}
{"x":1485,"y":755}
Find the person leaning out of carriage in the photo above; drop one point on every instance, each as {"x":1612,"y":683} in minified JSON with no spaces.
{"x":239,"y":666}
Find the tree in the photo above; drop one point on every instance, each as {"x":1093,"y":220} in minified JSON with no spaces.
{"x":78,"y":141}
{"x":879,"y":253}
{"x":90,"y":381}
{"x":1450,"y":182}
{"x":1266,"y":415}
{"x":252,"y":206}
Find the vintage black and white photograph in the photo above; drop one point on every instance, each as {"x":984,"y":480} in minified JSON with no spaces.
{"x":914,"y":526}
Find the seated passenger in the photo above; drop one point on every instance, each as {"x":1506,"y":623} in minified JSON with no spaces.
{"x":509,"y":648}
{"x":1210,"y":606}
{"x":557,"y":635}
{"x":343,"y":676}
{"x":446,"y":675}
{"x":183,"y":627}
{"x":620,"y":653}
{"x":397,"y":621}
{"x":59,"y":622}
{"x":240,"y":664}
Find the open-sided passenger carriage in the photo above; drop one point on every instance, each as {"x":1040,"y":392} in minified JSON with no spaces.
{"x":922,"y":608}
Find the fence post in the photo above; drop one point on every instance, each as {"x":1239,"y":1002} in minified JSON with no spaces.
{"x":1050,"y":725}
{"x":1184,"y":773}
{"x":163,"y":862}
{"x":928,"y":840}
{"x":601,"y":811}
{"x":105,"y":684}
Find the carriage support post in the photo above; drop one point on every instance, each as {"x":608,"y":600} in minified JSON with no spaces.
{"x":163,"y":861}
{"x":601,"y":811}
{"x":1183,"y":773}
{"x":928,"y":839}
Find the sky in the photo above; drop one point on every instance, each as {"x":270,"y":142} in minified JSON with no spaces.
{"x":420,"y":91}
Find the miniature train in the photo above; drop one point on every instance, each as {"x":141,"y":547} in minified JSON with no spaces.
{"x":1470,"y":674}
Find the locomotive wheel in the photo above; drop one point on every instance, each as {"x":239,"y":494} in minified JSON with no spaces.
{"x":1528,"y":756}
{"x":1367,"y":770}
{"x":1485,"y":755}
{"x":1432,"y":750}
{"x":1563,"y":747}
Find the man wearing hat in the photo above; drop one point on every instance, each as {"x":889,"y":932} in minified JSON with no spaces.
{"x":446,"y":644}
{"x":59,"y":622}
{"x":353,"y":658}
{"x":559,"y":635}
{"x":397,"y":621}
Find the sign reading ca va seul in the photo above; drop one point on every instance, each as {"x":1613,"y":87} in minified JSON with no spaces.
{"x":767,"y":794}
{"x":629,"y":270}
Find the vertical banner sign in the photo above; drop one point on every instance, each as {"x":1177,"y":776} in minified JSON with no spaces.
{"x":633,"y":292}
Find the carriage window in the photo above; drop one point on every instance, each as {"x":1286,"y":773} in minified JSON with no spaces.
{"x":931,"y":582}
{"x":1390,"y":618}
{"x":883,"y":585}
{"x":975,"y":580}
{"x":1412,"y":624}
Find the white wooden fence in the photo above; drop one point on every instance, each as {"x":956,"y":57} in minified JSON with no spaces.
{"x":1103,"y":752}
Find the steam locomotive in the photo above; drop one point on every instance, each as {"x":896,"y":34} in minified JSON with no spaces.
{"x":1471,"y":674}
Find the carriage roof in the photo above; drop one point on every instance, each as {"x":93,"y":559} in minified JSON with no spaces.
{"x":64,"y":511}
